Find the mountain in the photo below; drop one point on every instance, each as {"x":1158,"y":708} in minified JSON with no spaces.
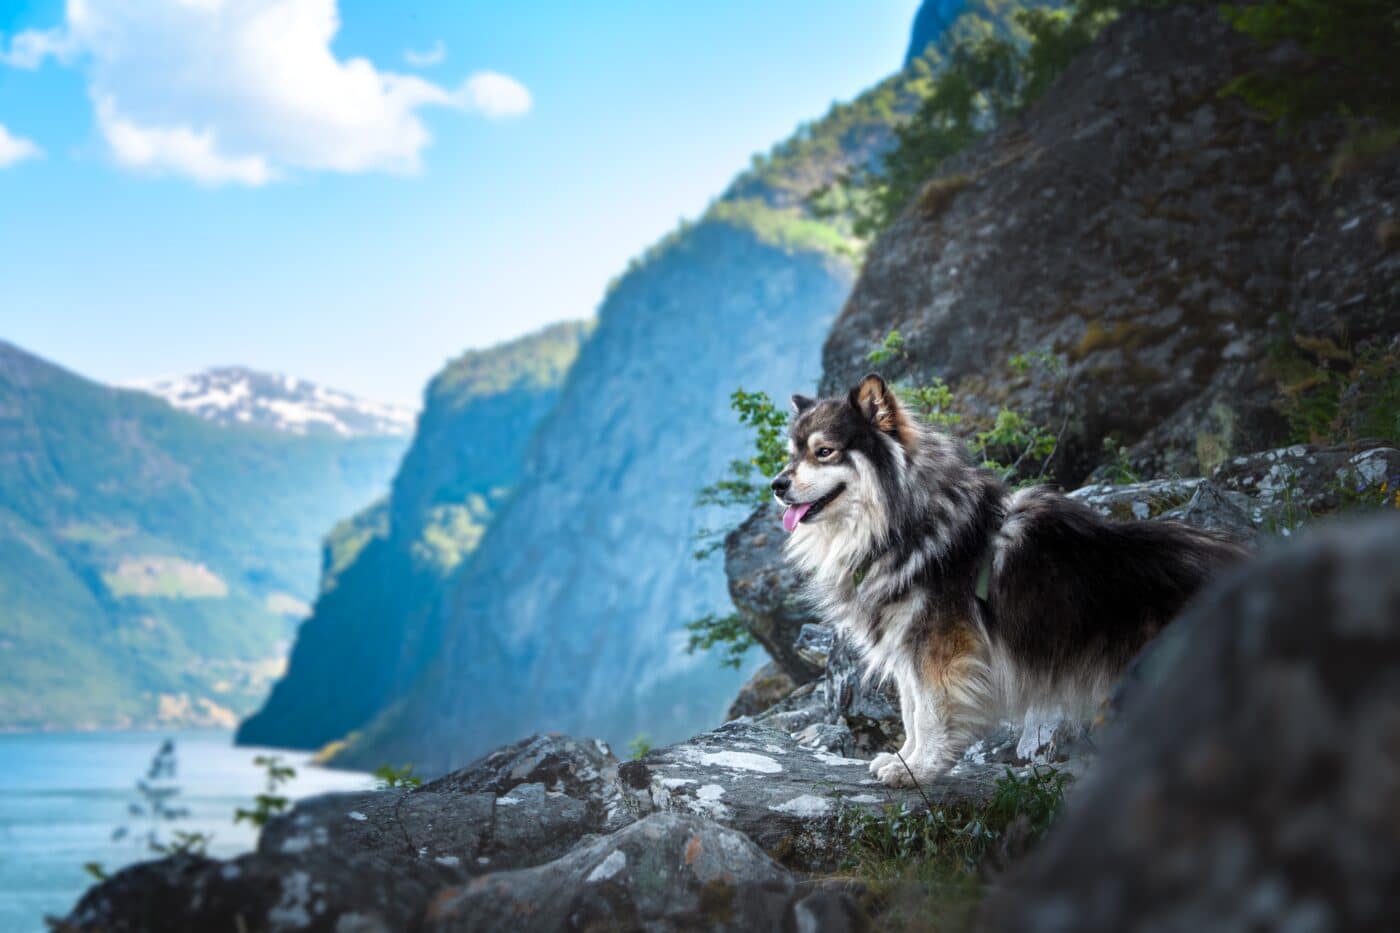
{"x":930,"y":23}
{"x":384,"y":569}
{"x":571,"y":612}
{"x":153,"y":564}
{"x":235,"y":395}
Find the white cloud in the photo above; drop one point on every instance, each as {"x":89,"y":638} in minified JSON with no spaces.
{"x":246,"y":91}
{"x":495,"y":95}
{"x":29,"y":48}
{"x":427,"y":58}
{"x":16,"y":148}
{"x":180,"y":150}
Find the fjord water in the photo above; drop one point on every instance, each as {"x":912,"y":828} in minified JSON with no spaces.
{"x":63,"y":794}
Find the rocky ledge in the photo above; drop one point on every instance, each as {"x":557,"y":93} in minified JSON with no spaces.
{"x":740,"y":827}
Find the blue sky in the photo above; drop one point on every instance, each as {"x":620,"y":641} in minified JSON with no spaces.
{"x":186,"y":183}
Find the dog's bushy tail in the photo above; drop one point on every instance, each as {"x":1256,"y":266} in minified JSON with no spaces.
{"x":1079,"y":593}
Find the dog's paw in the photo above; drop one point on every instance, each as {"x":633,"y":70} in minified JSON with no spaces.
{"x":880,"y":760}
{"x":908,"y":774}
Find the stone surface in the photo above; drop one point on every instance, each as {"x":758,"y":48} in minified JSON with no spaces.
{"x":1291,"y":484}
{"x":768,"y":685}
{"x":1254,"y":783}
{"x":1161,"y":238}
{"x":783,"y":796}
{"x":667,"y":872}
{"x":320,"y":890}
{"x":766,"y":592}
{"x":382,"y":854}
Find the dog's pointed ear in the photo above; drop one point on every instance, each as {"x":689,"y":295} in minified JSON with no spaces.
{"x":801,"y":403}
{"x":878,"y":404}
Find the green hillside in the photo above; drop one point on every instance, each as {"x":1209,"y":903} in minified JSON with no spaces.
{"x":152,"y":564}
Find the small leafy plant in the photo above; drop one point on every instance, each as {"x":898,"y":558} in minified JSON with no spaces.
{"x":640,"y":746}
{"x":747,"y":483}
{"x":891,"y":348}
{"x":269,"y":803}
{"x":924,"y":868}
{"x":387,"y":777}
{"x":1118,"y":469}
{"x":729,"y":631}
{"x":156,"y":793}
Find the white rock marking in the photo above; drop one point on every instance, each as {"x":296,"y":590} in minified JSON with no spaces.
{"x":614,"y":863}
{"x":806,"y":805}
{"x":736,"y":761}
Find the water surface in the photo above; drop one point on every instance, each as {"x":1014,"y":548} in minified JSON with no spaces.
{"x":62,"y":796}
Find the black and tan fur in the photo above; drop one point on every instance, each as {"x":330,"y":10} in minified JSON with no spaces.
{"x":903,"y":526}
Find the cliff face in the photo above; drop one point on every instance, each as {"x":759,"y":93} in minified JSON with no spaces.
{"x":570,"y":616}
{"x":1166,"y":241}
{"x":384,"y":570}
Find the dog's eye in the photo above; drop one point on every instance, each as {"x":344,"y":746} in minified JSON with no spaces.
{"x":824,"y":452}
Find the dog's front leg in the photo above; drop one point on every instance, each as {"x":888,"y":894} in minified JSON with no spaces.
{"x":926,"y":756}
{"x":952,"y":703}
{"x":908,"y":697}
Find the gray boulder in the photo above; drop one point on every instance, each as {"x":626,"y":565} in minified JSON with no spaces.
{"x":766,"y":591}
{"x":768,"y":685}
{"x":785,"y":797}
{"x":667,"y":872}
{"x":1292,"y":484}
{"x":377,"y":857}
{"x":1255,"y":780}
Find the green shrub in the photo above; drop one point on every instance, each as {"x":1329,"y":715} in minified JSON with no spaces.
{"x":1349,"y":67}
{"x":924,"y":867}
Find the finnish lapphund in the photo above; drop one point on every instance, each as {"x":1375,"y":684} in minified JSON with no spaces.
{"x":979,"y":602}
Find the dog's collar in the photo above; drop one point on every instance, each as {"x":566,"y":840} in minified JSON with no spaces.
{"x":984,"y":574}
{"x":861,"y":571}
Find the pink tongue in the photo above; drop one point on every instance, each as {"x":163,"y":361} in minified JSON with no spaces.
{"x":794,"y":514}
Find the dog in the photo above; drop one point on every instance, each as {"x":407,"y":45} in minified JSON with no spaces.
{"x":978,"y":601}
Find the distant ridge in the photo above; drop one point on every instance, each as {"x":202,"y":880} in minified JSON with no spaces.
{"x":238,"y":395}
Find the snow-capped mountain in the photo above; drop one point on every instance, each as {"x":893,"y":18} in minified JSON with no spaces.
{"x":235,"y":395}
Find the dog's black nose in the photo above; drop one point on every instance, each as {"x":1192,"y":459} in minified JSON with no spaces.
{"x":781,"y":483}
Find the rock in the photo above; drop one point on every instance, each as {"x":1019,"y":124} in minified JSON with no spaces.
{"x":767,"y":686}
{"x":796,"y":711}
{"x":1255,"y":784}
{"x":1291,"y":484}
{"x":870,"y":710}
{"x":834,"y":737}
{"x":1161,"y":238}
{"x":322,"y":890}
{"x":1211,"y":508}
{"x":765,"y":591}
{"x":814,"y":643}
{"x":783,"y":796}
{"x":578,"y":767}
{"x":380,"y":855}
{"x":667,"y":872}
{"x":829,"y":910}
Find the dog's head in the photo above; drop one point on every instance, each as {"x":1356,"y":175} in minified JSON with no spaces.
{"x":838,"y":447}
